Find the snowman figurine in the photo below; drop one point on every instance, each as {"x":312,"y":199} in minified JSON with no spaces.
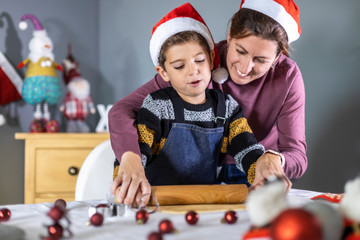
{"x":41,"y":85}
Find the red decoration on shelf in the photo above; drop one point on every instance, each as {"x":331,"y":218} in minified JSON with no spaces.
{"x":155,"y":236}
{"x":191,"y":217}
{"x":166,"y":226}
{"x":230,"y":217}
{"x":142,"y":216}
{"x":5,"y":214}
{"x":296,"y":224}
{"x":97,"y":219}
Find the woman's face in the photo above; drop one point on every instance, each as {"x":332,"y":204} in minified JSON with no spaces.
{"x":249,"y":58}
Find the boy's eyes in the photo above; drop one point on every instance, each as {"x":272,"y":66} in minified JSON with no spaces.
{"x":178,"y":67}
{"x":200,"y":60}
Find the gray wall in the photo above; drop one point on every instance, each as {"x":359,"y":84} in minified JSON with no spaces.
{"x":65,"y":21}
{"x":110,"y":40}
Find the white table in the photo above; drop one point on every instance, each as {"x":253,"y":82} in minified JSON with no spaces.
{"x":31,"y":217}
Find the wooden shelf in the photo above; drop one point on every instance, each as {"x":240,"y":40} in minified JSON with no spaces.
{"x":48,"y":158}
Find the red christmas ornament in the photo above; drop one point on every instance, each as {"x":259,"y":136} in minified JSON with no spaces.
{"x":230,"y":217}
{"x":52,"y":126}
{"x":37,"y":126}
{"x":353,"y":237}
{"x":155,"y":236}
{"x":97,"y":219}
{"x":166,"y":226}
{"x":55,"y":231}
{"x":296,"y":224}
{"x":191,"y":217}
{"x":56,"y":213}
{"x":142,"y":216}
{"x":5,"y":214}
{"x":60,"y":203}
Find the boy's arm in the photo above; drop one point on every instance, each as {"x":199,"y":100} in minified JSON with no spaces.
{"x":243,"y":145}
{"x":131,"y":174}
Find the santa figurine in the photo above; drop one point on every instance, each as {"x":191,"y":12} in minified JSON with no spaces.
{"x":41,"y":85}
{"x":77,"y":104}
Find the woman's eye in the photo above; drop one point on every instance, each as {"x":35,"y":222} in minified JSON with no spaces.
{"x":259,"y":60}
{"x":241,"y":52}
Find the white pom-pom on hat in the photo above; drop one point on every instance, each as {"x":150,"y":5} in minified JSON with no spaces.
{"x":23,"y":25}
{"x":349,"y":204}
{"x":220,"y":75}
{"x":266,"y":202}
{"x":2,"y":119}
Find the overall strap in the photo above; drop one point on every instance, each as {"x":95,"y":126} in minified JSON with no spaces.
{"x":220,"y":108}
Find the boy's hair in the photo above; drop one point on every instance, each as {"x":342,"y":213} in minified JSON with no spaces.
{"x":181,"y":38}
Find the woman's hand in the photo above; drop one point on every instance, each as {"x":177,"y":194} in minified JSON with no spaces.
{"x":268,"y":166}
{"x":131,"y":185}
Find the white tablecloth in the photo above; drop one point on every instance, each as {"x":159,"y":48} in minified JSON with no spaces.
{"x":32,"y":217}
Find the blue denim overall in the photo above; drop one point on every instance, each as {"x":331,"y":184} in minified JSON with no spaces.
{"x":191,"y":153}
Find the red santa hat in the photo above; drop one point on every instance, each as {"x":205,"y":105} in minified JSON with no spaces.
{"x":285,"y":12}
{"x":70,"y":67}
{"x":180,"y":19}
{"x":10,"y":82}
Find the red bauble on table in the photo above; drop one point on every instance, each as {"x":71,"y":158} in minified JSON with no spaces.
{"x":230,"y":217}
{"x":166,"y":226}
{"x":56,"y":213}
{"x":97,"y":219}
{"x":60,"y":203}
{"x":155,"y":236}
{"x":141,"y":216}
{"x":191,"y":217}
{"x":296,"y":224}
{"x":5,"y":214}
{"x":55,"y":230}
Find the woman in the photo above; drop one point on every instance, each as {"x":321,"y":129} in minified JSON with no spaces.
{"x":262,"y":79}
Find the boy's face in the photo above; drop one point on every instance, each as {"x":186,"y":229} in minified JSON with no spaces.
{"x":188,"y":69}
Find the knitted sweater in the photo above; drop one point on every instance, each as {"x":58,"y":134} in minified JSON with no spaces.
{"x":156,"y":116}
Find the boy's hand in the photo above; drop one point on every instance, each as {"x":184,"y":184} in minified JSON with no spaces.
{"x":268,"y":166}
{"x":131,"y":184}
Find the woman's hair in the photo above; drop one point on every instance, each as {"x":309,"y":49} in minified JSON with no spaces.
{"x":247,"y":22}
{"x":181,"y":38}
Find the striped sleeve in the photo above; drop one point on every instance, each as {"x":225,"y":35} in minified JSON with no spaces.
{"x":242,"y":144}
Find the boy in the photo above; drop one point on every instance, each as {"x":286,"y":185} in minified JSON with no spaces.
{"x":185,"y":130}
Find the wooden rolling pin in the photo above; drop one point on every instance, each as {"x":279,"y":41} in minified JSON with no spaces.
{"x":199,"y":194}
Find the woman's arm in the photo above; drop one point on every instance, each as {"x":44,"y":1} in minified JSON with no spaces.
{"x":122,"y":115}
{"x":291,"y":128}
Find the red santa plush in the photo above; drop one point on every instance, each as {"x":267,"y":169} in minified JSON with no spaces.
{"x":77,"y":103}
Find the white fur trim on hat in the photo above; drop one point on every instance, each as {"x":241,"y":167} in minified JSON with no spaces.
{"x":277,"y":12}
{"x":172,"y":27}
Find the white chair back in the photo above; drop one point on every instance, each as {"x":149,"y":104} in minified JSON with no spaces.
{"x":96,"y":173}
